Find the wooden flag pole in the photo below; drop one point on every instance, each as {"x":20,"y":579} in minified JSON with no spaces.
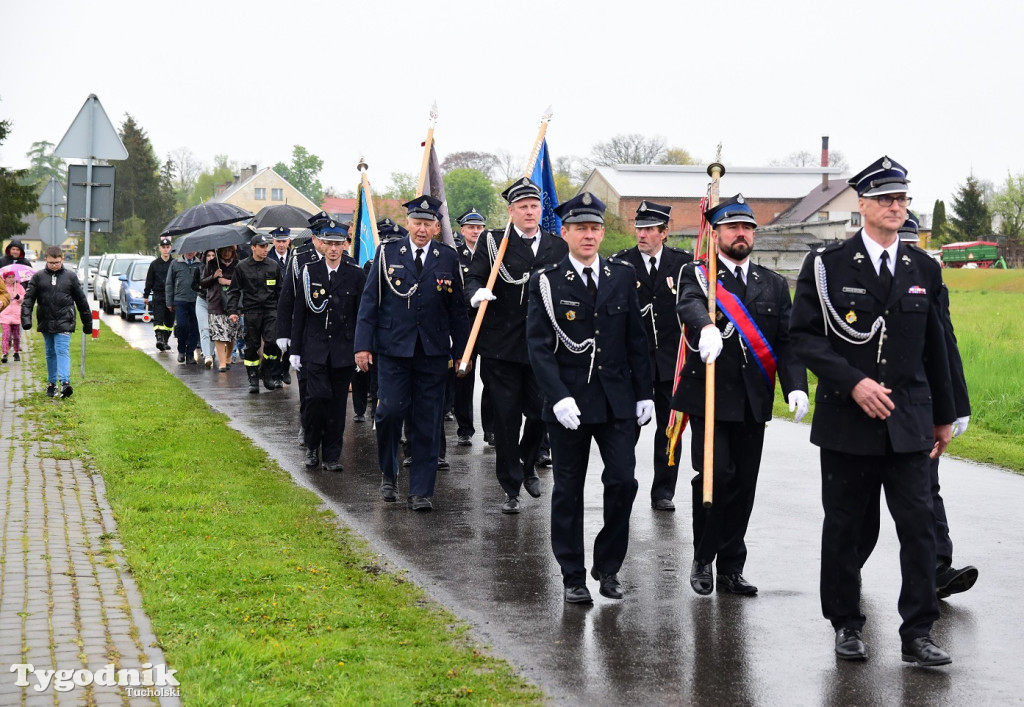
{"x":426,"y":149}
{"x":496,"y":265}
{"x":715,"y":170}
{"x":363,"y":167}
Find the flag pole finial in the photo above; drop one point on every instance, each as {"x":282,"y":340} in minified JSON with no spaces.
{"x":546,"y":117}
{"x":362,"y":166}
{"x":433,"y":112}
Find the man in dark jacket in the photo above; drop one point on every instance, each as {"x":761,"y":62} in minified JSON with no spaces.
{"x":14,"y":254}
{"x":254,"y":291}
{"x":181,"y":299}
{"x":156,"y":282}
{"x":58,"y":292}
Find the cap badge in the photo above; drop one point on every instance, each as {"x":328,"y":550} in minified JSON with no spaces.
{"x":740,"y":199}
{"x":586,"y":199}
{"x":886,"y":164}
{"x":424,"y":205}
{"x":525,"y":182}
{"x":643,"y":206}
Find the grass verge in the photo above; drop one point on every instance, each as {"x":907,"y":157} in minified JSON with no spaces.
{"x":256,"y":594}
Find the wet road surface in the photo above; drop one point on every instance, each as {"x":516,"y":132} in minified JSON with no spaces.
{"x":664,"y":644}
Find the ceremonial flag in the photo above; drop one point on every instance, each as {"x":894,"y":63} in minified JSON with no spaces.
{"x":544,"y":178}
{"x":433,"y":185}
{"x":364,"y":237}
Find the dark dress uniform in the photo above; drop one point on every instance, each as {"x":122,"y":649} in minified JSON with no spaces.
{"x":253,"y":292}
{"x":895,"y":338}
{"x":302,"y":255}
{"x":322,"y":335}
{"x":155,"y":288}
{"x":412,"y":322}
{"x":465,"y":386}
{"x":505,"y":364}
{"x":658,"y":308}
{"x":606,"y":378}
{"x":743,"y":404}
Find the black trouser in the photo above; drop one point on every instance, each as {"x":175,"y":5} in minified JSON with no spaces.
{"x":849,"y":486}
{"x":943,"y":543}
{"x":163,"y":318}
{"x":464,"y":389}
{"x":360,"y":391}
{"x":514,"y":393}
{"x":665,"y":476}
{"x":261,"y":328}
{"x":323,"y":419}
{"x":718,"y":532}
{"x":570,"y":453}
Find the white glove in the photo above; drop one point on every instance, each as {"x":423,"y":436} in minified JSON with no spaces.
{"x":567,"y":413}
{"x":710,"y":344}
{"x":480,"y":295}
{"x":960,"y":426}
{"x":644,"y":410}
{"x":799,"y":403}
{"x":283,"y":344}
{"x":295,"y":361}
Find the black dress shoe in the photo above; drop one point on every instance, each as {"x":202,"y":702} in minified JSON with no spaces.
{"x":489,"y":438}
{"x":544,"y":459}
{"x":925,"y":653}
{"x":578,"y":595}
{"x":389,"y":491}
{"x":465,"y":441}
{"x":442,"y":463}
{"x":181,"y":358}
{"x":407,"y":462}
{"x":950,"y":580}
{"x":532,"y":486}
{"x":312,"y":458}
{"x":735,"y":584}
{"x":610,"y":586}
{"x":420,"y":503}
{"x":663,"y":504}
{"x":359,"y":418}
{"x":701,"y":579}
{"x":334,"y":465}
{"x":511,"y":505}
{"x":448,"y":417}
{"x":849,"y":645}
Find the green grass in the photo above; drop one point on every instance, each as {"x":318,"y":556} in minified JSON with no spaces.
{"x":988,"y":315}
{"x":256,"y":594}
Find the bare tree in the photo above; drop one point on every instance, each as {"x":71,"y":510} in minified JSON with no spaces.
{"x":633,"y":148}
{"x":508,"y":166}
{"x":480,"y":161}
{"x":186,"y":169}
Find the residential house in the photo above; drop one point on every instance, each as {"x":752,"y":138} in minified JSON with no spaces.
{"x":254,"y":189}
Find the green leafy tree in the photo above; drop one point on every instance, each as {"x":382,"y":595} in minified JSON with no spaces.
{"x":677,"y":155}
{"x":44,"y":166}
{"x":16,"y":198}
{"x":303,"y":173}
{"x":207,"y":181}
{"x":940,"y":226}
{"x":971,"y":217}
{"x":467,"y":188}
{"x":1008,"y":205}
{"x":138,"y":189}
{"x":403,"y":187}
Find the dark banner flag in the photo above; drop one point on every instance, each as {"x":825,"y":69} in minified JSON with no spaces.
{"x":544,"y":178}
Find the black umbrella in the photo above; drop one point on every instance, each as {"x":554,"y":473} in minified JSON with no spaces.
{"x":208,"y":214}
{"x":212,"y":237}
{"x":282,"y":216}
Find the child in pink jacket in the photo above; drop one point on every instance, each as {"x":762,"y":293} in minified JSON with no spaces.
{"x":10,"y":318}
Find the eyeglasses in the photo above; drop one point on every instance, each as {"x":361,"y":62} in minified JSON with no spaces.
{"x":886,"y":200}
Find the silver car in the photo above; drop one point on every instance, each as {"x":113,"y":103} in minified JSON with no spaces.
{"x":94,"y":262}
{"x":110,"y":287}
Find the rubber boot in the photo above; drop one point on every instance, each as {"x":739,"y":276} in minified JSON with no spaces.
{"x":254,"y":378}
{"x":269,"y":373}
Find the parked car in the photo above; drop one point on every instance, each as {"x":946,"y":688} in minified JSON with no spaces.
{"x":103,"y":271}
{"x":132,"y":284}
{"x":94,"y":262}
{"x":110,"y":294}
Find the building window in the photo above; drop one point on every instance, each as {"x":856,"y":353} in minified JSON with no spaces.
{"x":277,"y":194}
{"x":261,"y":193}
{"x":823,"y":215}
{"x":855,"y":219}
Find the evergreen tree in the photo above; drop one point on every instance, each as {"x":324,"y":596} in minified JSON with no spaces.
{"x":16,"y":198}
{"x":138,"y":193}
{"x":45,"y":166}
{"x":940,"y":227}
{"x":971,"y":217}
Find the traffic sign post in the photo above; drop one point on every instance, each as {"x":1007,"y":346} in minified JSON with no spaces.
{"x":91,"y":137}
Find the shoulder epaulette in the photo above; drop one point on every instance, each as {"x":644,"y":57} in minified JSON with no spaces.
{"x":549,"y":267}
{"x":616,"y":261}
{"x":621,"y":253}
{"x":829,"y":247}
{"x":678,"y":250}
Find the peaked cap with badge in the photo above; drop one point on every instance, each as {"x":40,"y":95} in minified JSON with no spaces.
{"x":521,"y":189}
{"x":910,"y":228}
{"x":582,"y":208}
{"x":650,"y":214}
{"x":471,"y":217}
{"x":424,"y":207}
{"x":732,"y":210}
{"x":281,"y":233}
{"x":883,"y":176}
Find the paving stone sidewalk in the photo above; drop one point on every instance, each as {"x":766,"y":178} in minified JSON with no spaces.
{"x":67,"y":600}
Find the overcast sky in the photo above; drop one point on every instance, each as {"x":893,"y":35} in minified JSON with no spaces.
{"x":935,"y":85}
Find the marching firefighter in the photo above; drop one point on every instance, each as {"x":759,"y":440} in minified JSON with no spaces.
{"x":254,"y":291}
{"x":163,"y":318}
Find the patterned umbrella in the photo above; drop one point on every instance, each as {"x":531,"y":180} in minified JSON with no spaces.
{"x":22,"y":272}
{"x":208,"y":214}
{"x":283,"y":216}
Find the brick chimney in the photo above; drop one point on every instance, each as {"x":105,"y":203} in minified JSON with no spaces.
{"x":824,"y":162}
{"x":247,"y":172}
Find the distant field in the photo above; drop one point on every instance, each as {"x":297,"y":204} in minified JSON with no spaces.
{"x":984,"y":280}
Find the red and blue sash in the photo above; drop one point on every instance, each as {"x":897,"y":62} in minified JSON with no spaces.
{"x":744,"y":323}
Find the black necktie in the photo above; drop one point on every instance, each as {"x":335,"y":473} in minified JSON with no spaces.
{"x":419,"y":261}
{"x":654,"y":269}
{"x":330,"y":277}
{"x":591,"y":285}
{"x":739,"y":278}
{"x":884,"y":273}
{"x":528,"y":241}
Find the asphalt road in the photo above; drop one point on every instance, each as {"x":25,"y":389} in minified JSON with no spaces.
{"x":663,"y":644}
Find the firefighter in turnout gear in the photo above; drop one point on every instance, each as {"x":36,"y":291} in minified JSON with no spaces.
{"x":154,"y":295}
{"x":254,"y":292}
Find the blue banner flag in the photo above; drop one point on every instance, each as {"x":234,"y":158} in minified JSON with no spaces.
{"x":363,"y":243}
{"x":544,"y":178}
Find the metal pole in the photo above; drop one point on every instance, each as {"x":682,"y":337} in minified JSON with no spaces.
{"x":88,"y":211}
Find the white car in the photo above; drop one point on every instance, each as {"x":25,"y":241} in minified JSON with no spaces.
{"x":110,"y":287}
{"x":94,"y":262}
